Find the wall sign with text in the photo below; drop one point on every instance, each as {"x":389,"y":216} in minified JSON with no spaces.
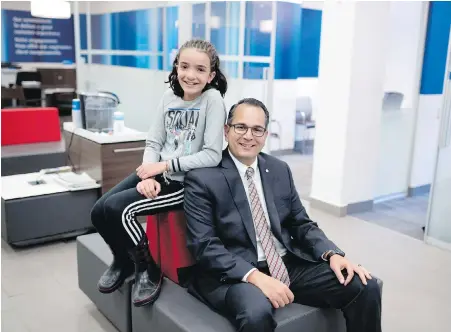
{"x":32,"y":39}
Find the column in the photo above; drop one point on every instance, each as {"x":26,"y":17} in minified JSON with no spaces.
{"x":351,"y":77}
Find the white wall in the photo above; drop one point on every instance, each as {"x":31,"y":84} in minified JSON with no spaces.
{"x":402,"y":52}
{"x":351,"y":82}
{"x":139,"y":90}
{"x":283,"y":116}
{"x":404,"y":59}
{"x":100,"y":7}
{"x":313,"y":4}
{"x":16,"y":5}
{"x":401,"y":55}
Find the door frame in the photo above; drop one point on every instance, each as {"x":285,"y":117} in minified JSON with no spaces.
{"x":444,"y":142}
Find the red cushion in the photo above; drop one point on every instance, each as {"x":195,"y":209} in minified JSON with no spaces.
{"x":30,"y":125}
{"x":167,"y":243}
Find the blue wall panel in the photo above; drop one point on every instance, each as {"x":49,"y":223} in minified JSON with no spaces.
{"x":101,"y":59}
{"x":297,"y":42}
{"x":99,"y":30}
{"x":310,"y":43}
{"x":436,"y":46}
{"x":83,"y":32}
{"x":288,"y":41}
{"x":130,"y":30}
{"x":5,"y":48}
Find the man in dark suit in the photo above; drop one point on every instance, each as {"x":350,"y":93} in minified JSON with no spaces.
{"x":256,"y":248}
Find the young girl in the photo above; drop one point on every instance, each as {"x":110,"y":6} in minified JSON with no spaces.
{"x":186,"y":132}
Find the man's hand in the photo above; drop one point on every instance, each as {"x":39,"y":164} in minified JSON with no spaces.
{"x":338,"y":263}
{"x":149,"y":170}
{"x":149,"y":188}
{"x":277,"y":292}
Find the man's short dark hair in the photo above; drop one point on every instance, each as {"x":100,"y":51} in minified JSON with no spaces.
{"x":249,"y":101}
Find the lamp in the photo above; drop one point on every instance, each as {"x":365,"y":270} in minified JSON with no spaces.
{"x":50,"y":9}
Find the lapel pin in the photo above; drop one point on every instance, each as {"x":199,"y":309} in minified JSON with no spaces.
{"x":267,"y":170}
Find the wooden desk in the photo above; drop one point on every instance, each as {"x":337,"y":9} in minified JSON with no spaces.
{"x":106,"y":158}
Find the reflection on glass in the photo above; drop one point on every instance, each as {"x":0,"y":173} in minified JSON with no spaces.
{"x":230,"y":68}
{"x":439,"y":227}
{"x":101,"y":59}
{"x":172,"y":16}
{"x":137,"y":30}
{"x":233,"y":28}
{"x":258,"y":28}
{"x":142,"y":61}
{"x":254,"y":70}
{"x":218,"y":26}
{"x":130,"y":30}
{"x":199,"y":21}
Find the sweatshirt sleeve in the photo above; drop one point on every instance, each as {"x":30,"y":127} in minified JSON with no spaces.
{"x":211,"y":153}
{"x":156,"y":135}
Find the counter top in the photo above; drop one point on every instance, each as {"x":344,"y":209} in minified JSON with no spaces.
{"x":20,"y":186}
{"x":129,"y":135}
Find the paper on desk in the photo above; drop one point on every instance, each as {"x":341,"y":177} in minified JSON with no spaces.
{"x":73,"y":181}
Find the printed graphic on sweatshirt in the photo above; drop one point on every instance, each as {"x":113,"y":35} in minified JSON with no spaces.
{"x":181,"y":124}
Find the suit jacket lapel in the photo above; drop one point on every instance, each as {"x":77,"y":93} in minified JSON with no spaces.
{"x":267,"y":183}
{"x":239,"y":195}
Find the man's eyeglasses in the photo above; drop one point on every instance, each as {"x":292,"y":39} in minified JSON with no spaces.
{"x":242,"y":129}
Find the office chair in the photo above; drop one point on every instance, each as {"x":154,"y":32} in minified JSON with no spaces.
{"x":304,"y":112}
{"x":17,"y":93}
{"x":32,"y":94}
{"x":59,"y":78}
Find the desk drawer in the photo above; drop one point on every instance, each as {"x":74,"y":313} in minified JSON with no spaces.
{"x":119,"y":161}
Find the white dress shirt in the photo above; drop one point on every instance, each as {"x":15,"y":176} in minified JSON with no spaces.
{"x":258,"y":185}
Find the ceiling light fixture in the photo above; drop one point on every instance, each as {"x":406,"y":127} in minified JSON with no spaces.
{"x":50,"y":9}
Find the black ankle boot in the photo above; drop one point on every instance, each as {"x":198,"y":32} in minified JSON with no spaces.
{"x":148,"y":277}
{"x":114,"y":276}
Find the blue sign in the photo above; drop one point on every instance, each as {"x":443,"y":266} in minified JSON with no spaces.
{"x":32,"y":39}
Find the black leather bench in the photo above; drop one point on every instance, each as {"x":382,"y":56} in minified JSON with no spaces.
{"x":176,"y":310}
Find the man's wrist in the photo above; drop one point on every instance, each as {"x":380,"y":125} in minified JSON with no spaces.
{"x":326,"y":256}
{"x":248,"y":274}
{"x":253,"y":276}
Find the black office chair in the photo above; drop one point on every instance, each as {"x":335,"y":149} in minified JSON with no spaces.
{"x":32,"y":94}
{"x":17,"y":93}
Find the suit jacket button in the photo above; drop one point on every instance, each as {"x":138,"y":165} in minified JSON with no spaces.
{"x":253,"y":264}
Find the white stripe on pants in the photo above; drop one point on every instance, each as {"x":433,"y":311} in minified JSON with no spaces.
{"x":128,"y":215}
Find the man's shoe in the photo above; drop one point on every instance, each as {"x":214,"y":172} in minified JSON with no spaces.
{"x":148,"y":277}
{"x":115,"y":275}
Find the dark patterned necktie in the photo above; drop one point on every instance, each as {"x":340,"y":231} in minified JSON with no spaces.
{"x":275,"y":263}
